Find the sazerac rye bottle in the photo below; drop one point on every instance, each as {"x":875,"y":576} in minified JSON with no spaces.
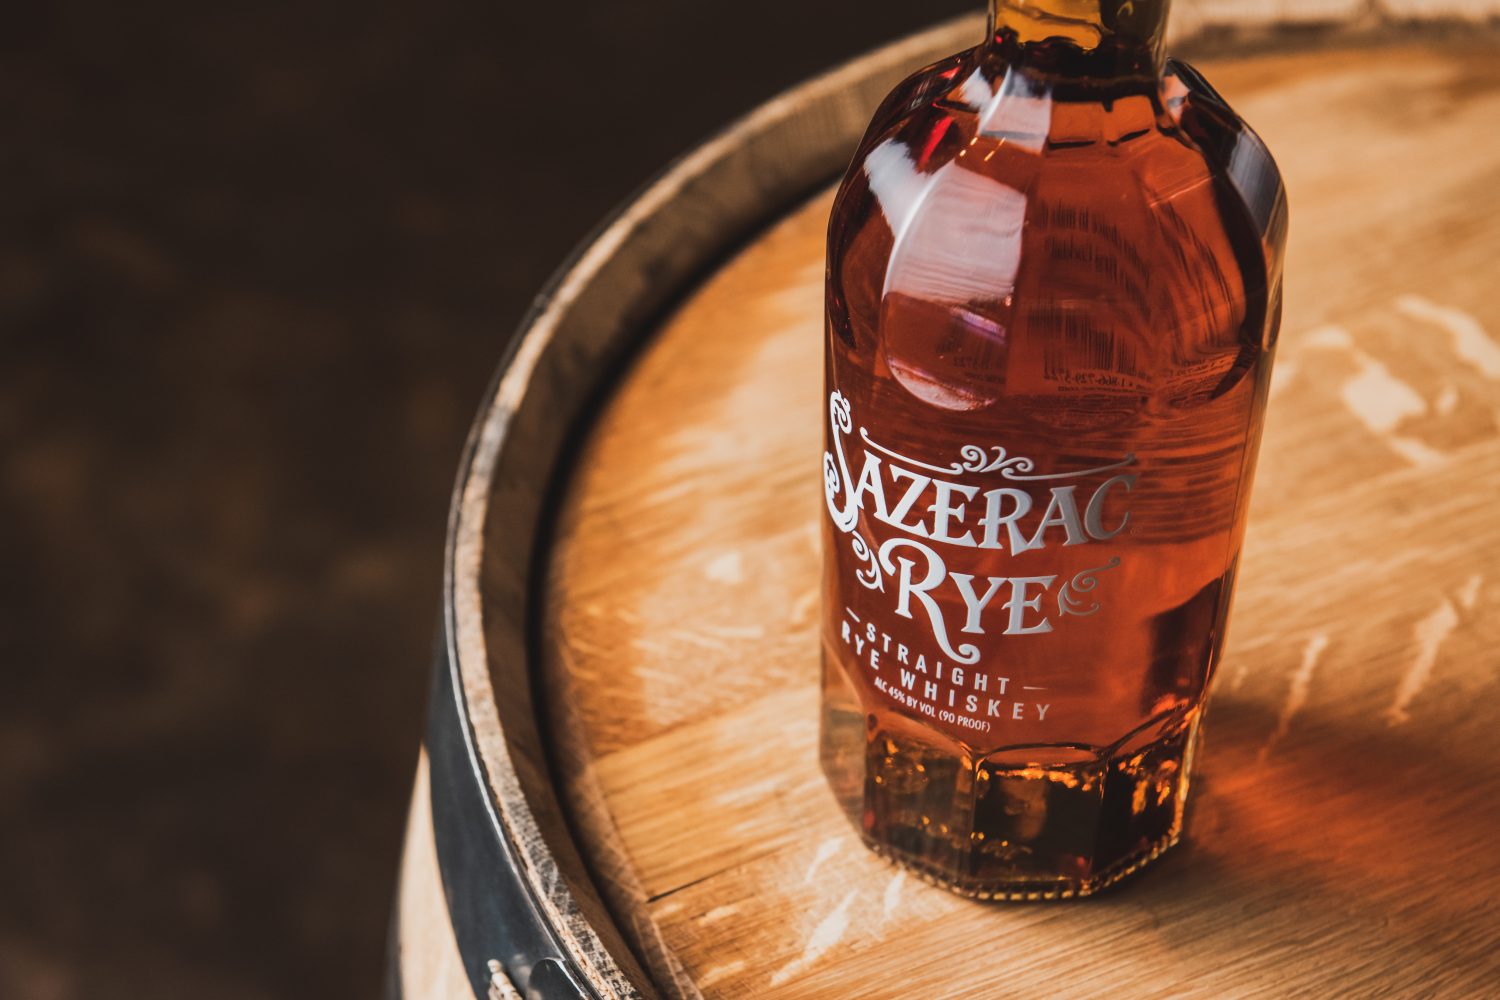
{"x":1052,"y":301}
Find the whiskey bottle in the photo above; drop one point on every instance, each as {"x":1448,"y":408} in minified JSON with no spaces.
{"x":1053,"y":293}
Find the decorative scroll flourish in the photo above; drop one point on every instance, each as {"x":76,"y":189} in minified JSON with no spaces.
{"x":993,"y":458}
{"x":1122,"y":463}
{"x":836,"y":478}
{"x":869,"y":575}
{"x":972,"y":458}
{"x":976,"y":459}
{"x":1082,"y":582}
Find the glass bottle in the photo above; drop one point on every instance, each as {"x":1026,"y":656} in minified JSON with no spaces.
{"x":1053,"y":294}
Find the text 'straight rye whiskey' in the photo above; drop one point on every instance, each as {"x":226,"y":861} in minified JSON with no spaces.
{"x":1053,"y":294}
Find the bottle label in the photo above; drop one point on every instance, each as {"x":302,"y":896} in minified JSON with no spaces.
{"x":952,"y":553}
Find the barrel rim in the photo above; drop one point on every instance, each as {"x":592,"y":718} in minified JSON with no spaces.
{"x":544,"y":326}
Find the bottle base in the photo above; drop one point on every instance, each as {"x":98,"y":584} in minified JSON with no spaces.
{"x":1029,"y":891}
{"x":1039,"y":822}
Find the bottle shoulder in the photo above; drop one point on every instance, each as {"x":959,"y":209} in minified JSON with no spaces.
{"x":1001,"y":236}
{"x":1235,"y":150}
{"x":1145,"y":143}
{"x":917,"y":91}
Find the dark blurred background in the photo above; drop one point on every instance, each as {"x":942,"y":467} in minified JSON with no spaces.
{"x":257,"y":262}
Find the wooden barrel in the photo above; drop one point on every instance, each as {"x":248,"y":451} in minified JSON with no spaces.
{"x":619,"y":794}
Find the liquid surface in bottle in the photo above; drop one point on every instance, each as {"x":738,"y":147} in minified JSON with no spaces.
{"x":1051,"y":311}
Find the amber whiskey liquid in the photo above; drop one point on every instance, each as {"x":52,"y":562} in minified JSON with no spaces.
{"x":1052,"y":302}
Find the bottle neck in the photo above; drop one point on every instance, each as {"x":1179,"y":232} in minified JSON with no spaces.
{"x":1081,"y":39}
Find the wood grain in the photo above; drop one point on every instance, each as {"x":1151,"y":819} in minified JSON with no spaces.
{"x":1342,"y":827}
